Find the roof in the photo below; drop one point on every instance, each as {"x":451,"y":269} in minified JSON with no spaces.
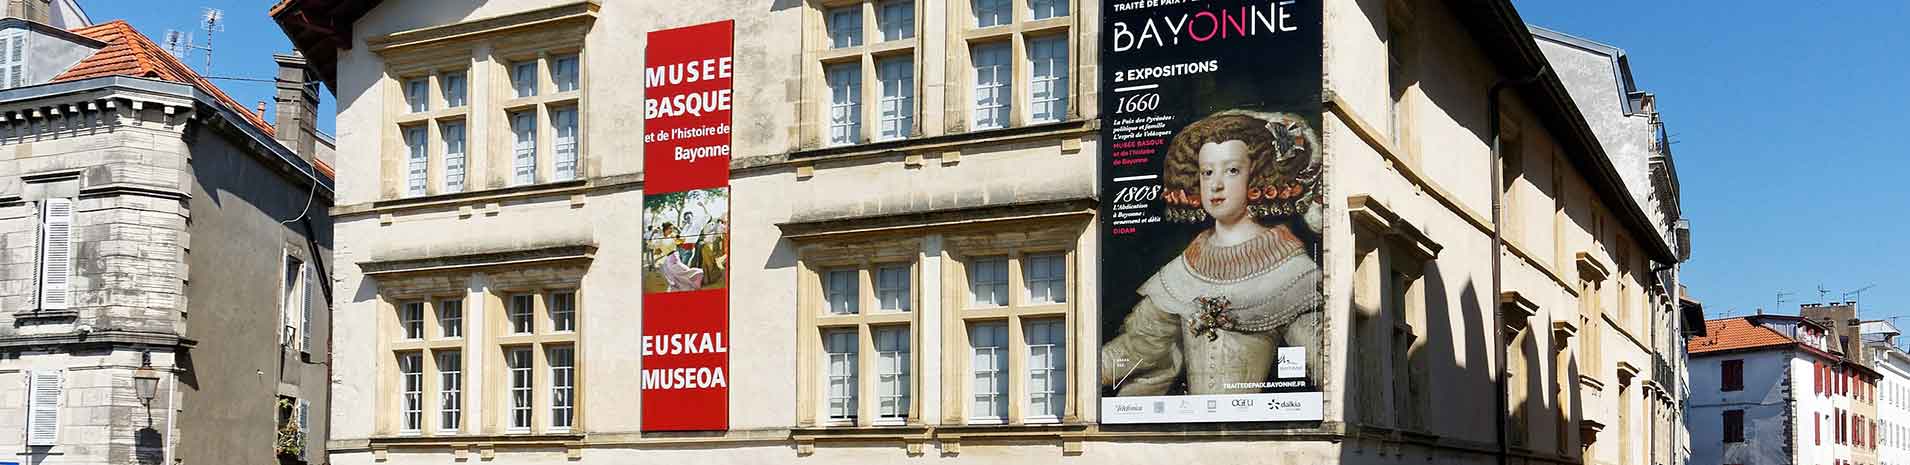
{"x":319,"y":29}
{"x":130,"y":53}
{"x":1736,"y":334}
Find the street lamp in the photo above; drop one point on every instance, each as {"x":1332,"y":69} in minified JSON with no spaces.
{"x":145,"y":380}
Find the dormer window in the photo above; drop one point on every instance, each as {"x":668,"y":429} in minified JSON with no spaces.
{"x":13,"y":58}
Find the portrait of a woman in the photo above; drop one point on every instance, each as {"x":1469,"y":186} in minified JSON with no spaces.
{"x":1211,"y":320}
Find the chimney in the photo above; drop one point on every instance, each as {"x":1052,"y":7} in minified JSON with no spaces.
{"x":296,"y":102}
{"x":39,"y":11}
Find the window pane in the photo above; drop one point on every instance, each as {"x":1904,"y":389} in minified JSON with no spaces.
{"x":453,"y":88}
{"x":1044,"y":9}
{"x":839,"y":346}
{"x":1047,"y":369}
{"x":518,"y":361}
{"x":453,"y":134}
{"x":564,"y":124}
{"x":522,"y":306}
{"x":988,"y":282}
{"x":898,"y":19}
{"x":892,"y":350}
{"x":415,"y":95}
{"x":411,"y":318}
{"x":987,"y":343}
{"x":563,"y":72}
{"x":892,"y":287}
{"x":843,"y":293}
{"x":524,"y":131}
{"x":993,"y":89}
{"x":991,"y":12}
{"x":897,"y":76}
{"x":418,"y":166}
{"x":563,"y":311}
{"x":845,"y":26}
{"x":524,"y":78}
{"x":1048,"y":63}
{"x":451,"y":318}
{"x":1046,"y":278}
{"x":845,"y":103}
{"x":450,"y":390}
{"x":411,"y":381}
{"x":562,"y":386}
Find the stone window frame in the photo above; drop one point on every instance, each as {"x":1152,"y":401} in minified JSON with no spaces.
{"x":1391,"y":262}
{"x":820,"y":54}
{"x":866,"y":259}
{"x":483,"y":58}
{"x":542,"y":338}
{"x":427,"y":348}
{"x":965,"y":35}
{"x":958,"y":314}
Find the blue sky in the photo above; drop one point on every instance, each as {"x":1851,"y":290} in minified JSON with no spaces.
{"x":243,"y":50}
{"x":1786,"y":119}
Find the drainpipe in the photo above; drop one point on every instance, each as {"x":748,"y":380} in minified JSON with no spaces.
{"x":1498,"y":248}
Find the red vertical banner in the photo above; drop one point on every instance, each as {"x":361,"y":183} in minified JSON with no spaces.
{"x":688,"y":81}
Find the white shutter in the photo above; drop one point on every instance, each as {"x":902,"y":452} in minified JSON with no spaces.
{"x":17,"y":60}
{"x":304,"y":428}
{"x":6,"y":77}
{"x":43,"y":408}
{"x":305,"y":320}
{"x":56,"y":252}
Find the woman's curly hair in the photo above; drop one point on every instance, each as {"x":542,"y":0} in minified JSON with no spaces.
{"x":1283,"y":153}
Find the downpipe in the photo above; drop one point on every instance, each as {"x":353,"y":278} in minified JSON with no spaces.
{"x":1498,"y":249}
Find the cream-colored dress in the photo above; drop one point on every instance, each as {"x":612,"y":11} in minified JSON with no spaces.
{"x":1216,"y":315}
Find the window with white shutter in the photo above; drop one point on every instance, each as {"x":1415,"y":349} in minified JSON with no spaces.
{"x":43,"y":408}
{"x":13,"y":59}
{"x":56,"y":252}
{"x":288,"y":307}
{"x":305,"y":320}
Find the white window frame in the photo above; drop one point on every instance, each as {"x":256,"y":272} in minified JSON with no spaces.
{"x":521,"y":384}
{"x":992,"y":13}
{"x":406,"y":322}
{"x":454,"y":87}
{"x":418,"y":94}
{"x":1044,"y":9}
{"x":563,"y":386}
{"x":563,"y":122}
{"x":844,"y":26}
{"x":844,"y":82}
{"x":842,"y":290}
{"x":1049,"y":52}
{"x":992,"y":86}
{"x":520,"y":312}
{"x":564,"y":72}
{"x":417,"y":162}
{"x":57,"y":217}
{"x":1048,"y":273}
{"x":524,"y":146}
{"x":523,"y":77}
{"x":410,"y":392}
{"x":995,"y":411}
{"x":450,"y":390}
{"x":841,"y":399}
{"x":562,"y":303}
{"x":990,"y":272}
{"x":454,"y":148}
{"x":896,"y":19}
{"x":892,"y":343}
{"x":1047,"y":342}
{"x":894,"y":284}
{"x":896,"y":110}
{"x":450,"y":325}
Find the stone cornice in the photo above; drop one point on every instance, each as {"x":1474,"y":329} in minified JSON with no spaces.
{"x":109,"y":337}
{"x":394,"y":42}
{"x":476,"y":260}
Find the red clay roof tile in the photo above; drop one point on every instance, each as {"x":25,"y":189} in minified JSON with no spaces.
{"x":1736,"y":334}
{"x":129,"y":53}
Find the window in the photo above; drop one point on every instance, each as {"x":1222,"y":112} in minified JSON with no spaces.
{"x":450,"y":390}
{"x":56,"y":249}
{"x":564,"y":124}
{"x":563,"y":311}
{"x":988,"y":342}
{"x":1047,"y":370}
{"x":988,"y":282}
{"x":524,"y":79}
{"x":1048,"y":61}
{"x":892,"y":375}
{"x":417,"y":92}
{"x":518,"y":361}
{"x":896,"y":19}
{"x":1047,"y":277}
{"x":1733,"y":376}
{"x":843,"y":296}
{"x":451,"y":318}
{"x":524,"y":160}
{"x":452,"y":86}
{"x":522,"y":307}
{"x":845,"y":26}
{"x":990,"y":13}
{"x":563,"y":72}
{"x":897,"y":76}
{"x":892,"y":287}
{"x":453,"y":135}
{"x":43,"y":405}
{"x":290,"y":306}
{"x":411,"y":372}
{"x":1044,"y":9}
{"x":417,"y":166}
{"x":845,"y":103}
{"x":563,"y":384}
{"x":411,"y":318}
{"x":13,"y":59}
{"x":839,"y":345}
{"x":992,"y":91}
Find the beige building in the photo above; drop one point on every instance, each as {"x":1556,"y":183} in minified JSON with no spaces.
{"x":490,"y":247}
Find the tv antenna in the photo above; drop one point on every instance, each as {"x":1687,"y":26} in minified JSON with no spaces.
{"x":1823,"y":295}
{"x":1858,"y":294}
{"x":212,"y":20}
{"x":1780,"y":298}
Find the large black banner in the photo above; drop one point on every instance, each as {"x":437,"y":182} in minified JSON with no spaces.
{"x":1211,"y":211}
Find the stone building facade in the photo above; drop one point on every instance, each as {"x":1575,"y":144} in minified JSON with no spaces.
{"x":158,"y":236}
{"x":490,"y":257}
